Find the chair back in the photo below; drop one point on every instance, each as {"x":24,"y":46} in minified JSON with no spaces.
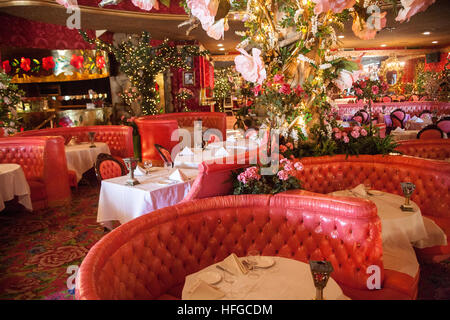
{"x":430,"y":132}
{"x":444,"y":125}
{"x":165,"y":155}
{"x":397,"y":117}
{"x":358,"y":117}
{"x":107,"y":167}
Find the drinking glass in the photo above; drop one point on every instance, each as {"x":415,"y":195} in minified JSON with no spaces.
{"x":252,"y":261}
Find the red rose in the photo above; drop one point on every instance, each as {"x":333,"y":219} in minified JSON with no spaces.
{"x":362,"y":84}
{"x":48,"y":63}
{"x":375,"y":89}
{"x":6,"y":66}
{"x":77,"y":61}
{"x":298,"y":90}
{"x":100,"y":62}
{"x":256,"y":90}
{"x":285,"y":88}
{"x":25,"y":64}
{"x":156,"y":87}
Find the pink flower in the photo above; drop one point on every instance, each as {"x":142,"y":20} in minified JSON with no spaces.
{"x":283,"y":175}
{"x":356,"y":128}
{"x":298,"y":166}
{"x":285,"y":89}
{"x":346,"y":139}
{"x":251,"y":67}
{"x":278,"y":78}
{"x":375,"y":89}
{"x":200,"y":10}
{"x":412,"y":7}
{"x":368,"y":30}
{"x":256,"y":90}
{"x":298,"y":90}
{"x":146,"y":4}
{"x":358,"y":91}
{"x":283,"y":148}
{"x":355,"y":134}
{"x":362,"y":84}
{"x":68,"y":3}
{"x":338,"y":135}
{"x":363,"y":132}
{"x":217,"y":30}
{"x":284,"y":160}
{"x":337,"y":6}
{"x":289,"y":145}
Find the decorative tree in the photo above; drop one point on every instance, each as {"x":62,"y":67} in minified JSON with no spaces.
{"x":141,"y":63}
{"x":10,"y":96}
{"x":222,"y":85}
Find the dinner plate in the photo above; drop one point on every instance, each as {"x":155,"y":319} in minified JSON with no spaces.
{"x":210,"y":277}
{"x":375,"y":193}
{"x":265,"y":262}
{"x":165,"y":181}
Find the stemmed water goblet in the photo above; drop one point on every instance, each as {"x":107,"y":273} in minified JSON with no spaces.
{"x":148,"y":165}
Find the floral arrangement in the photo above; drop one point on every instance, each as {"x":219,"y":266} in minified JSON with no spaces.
{"x":370,"y":90}
{"x":182,"y":96}
{"x":251,"y":181}
{"x":10,"y":96}
{"x":130,"y":95}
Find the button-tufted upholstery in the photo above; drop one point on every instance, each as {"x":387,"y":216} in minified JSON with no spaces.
{"x":431,"y":149}
{"x":107,"y":167}
{"x":43,"y":161}
{"x":149,"y":257}
{"x":118,"y":138}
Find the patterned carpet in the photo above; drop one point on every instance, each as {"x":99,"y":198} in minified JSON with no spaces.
{"x":37,"y":248}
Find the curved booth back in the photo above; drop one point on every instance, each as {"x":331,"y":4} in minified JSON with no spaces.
{"x":43,"y":160}
{"x":118,"y":138}
{"x":149,"y":257}
{"x":438,"y":149}
{"x":432,"y":178}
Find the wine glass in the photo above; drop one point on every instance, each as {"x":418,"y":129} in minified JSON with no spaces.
{"x":252,"y":262}
{"x":148,"y":165}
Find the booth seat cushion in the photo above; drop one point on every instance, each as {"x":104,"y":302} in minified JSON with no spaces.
{"x":438,"y":149}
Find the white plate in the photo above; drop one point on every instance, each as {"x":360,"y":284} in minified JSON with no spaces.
{"x":375,"y":192}
{"x":165,"y":181}
{"x":210,"y":277}
{"x":265,"y":262}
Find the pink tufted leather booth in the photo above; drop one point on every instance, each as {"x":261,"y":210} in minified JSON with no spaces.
{"x":158,"y":129}
{"x":438,"y":149}
{"x":149,"y":257}
{"x":43,"y":161}
{"x":118,"y":138}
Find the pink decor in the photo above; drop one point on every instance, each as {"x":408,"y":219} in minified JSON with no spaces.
{"x":412,"y":7}
{"x":337,"y":6}
{"x":251,"y":66}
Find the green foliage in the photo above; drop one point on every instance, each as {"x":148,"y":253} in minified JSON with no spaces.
{"x":141,"y":63}
{"x":10,"y":96}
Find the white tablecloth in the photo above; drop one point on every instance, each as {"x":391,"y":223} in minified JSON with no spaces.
{"x":119,"y":202}
{"x":287,"y":279}
{"x":81,"y":158}
{"x":13,"y":183}
{"x":401,"y":230}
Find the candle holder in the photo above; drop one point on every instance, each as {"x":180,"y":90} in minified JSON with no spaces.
{"x":131,"y":164}
{"x":321,"y":271}
{"x":407,"y":189}
{"x":91,"y":139}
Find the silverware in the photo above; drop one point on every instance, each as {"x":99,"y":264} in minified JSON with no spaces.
{"x":223,"y":269}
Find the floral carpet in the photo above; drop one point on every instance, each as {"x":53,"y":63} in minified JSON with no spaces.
{"x":38,"y":249}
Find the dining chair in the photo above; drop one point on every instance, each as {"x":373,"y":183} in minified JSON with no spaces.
{"x":165,"y":155}
{"x":431,"y":131}
{"x":358,"y":117}
{"x":397,"y":118}
{"x":444,"y":125}
{"x":107,"y":167}
{"x":425,"y":113}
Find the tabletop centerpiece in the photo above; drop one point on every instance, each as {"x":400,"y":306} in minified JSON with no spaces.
{"x":320,"y":271}
{"x":131,"y":164}
{"x":407,"y":189}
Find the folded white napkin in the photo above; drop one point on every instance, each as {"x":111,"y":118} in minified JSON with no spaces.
{"x":203,"y":291}
{"x":233,"y":265}
{"x":231,"y":138}
{"x":359,"y":190}
{"x":179,"y":176}
{"x":222,"y":152}
{"x":418,"y":120}
{"x":398,"y":129}
{"x":139,"y":171}
{"x":414,"y":118}
{"x":186,"y":152}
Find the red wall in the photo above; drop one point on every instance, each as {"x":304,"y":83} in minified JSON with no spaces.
{"x":437,"y":66}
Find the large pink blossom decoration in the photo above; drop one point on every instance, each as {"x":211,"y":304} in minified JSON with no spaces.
{"x":251,"y":67}
{"x":68,"y":4}
{"x":346,"y":79}
{"x":217,"y":30}
{"x":200,"y":9}
{"x":412,"y":7}
{"x":337,"y":6}
{"x":368,"y":31}
{"x":146,"y":4}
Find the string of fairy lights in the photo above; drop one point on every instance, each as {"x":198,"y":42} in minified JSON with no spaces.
{"x":141,"y":63}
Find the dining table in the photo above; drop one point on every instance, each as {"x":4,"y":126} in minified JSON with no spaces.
{"x":401,"y":231}
{"x":81,"y":157}
{"x":14,"y":184}
{"x":271,"y":278}
{"x":121,"y":202}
